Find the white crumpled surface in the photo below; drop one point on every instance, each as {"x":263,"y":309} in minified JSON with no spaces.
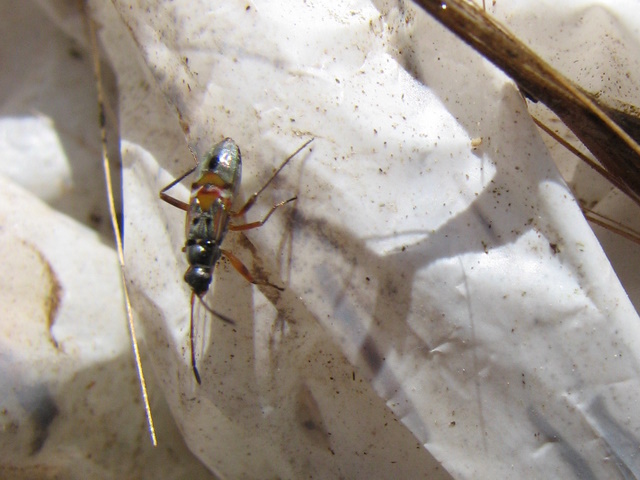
{"x":436,"y":295}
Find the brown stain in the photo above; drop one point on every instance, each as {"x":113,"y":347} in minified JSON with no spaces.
{"x":42,"y":471}
{"x":53,"y":299}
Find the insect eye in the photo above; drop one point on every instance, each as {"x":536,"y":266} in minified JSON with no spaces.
{"x":214,"y":162}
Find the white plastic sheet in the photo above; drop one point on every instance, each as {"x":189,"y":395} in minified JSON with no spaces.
{"x":445,"y":305}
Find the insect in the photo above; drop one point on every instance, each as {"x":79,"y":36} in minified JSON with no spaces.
{"x":217,"y":181}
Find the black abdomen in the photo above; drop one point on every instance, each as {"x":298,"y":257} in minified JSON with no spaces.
{"x":201,"y":255}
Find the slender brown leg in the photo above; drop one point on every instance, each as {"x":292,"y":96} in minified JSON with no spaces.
{"x":249,"y":226}
{"x":174,"y":201}
{"x":244,"y":271}
{"x":252,"y":199}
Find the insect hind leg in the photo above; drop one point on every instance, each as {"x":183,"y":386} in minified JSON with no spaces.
{"x":244,"y":271}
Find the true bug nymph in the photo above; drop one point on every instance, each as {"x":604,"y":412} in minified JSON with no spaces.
{"x":216,"y":185}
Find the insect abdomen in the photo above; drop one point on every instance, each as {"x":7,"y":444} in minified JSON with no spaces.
{"x":198,"y":278}
{"x":202,"y":256}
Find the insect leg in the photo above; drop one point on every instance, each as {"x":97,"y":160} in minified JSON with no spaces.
{"x":244,"y":271}
{"x":174,"y":201}
{"x":249,"y":226}
{"x":222,"y":317}
{"x":245,"y":208}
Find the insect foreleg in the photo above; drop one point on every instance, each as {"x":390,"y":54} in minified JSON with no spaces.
{"x":174,"y":201}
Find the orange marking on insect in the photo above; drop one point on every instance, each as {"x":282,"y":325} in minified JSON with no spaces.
{"x":207,"y":195}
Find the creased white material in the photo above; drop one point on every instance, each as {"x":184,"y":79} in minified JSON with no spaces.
{"x":445,"y":305}
{"x":463,"y":284}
